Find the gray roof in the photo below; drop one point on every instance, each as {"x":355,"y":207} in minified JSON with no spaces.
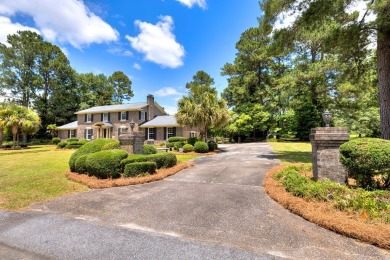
{"x":114,"y":108}
{"x":161,"y":121}
{"x":72,"y":125}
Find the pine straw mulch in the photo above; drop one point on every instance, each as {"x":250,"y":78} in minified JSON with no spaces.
{"x":95,"y":183}
{"x":322,"y":214}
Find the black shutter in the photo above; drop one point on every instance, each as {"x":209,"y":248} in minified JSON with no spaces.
{"x":139,"y":115}
{"x":68,"y":133}
{"x":155,"y":133}
{"x":92,"y":117}
{"x":101,"y":117}
{"x":119,"y":131}
{"x":85,"y":133}
{"x":165,"y":133}
{"x":109,"y":117}
{"x":75,"y":133}
{"x":91,"y":133}
{"x":127,"y":115}
{"x":85,"y":117}
{"x":146,"y":133}
{"x":119,"y":116}
{"x":146,"y":116}
{"x":174,"y":131}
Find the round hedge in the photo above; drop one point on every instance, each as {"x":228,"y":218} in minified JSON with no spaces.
{"x":149,"y":149}
{"x":188,"y":148}
{"x":192,"y":140}
{"x":134,"y":169}
{"x":170,"y":145}
{"x":112,"y":145}
{"x":132,"y":159}
{"x":62,"y":144}
{"x":56,"y":140}
{"x":105,"y":164}
{"x":72,"y":139}
{"x":179,"y":144}
{"x":73,"y":145}
{"x":88,"y":148}
{"x":365,"y":158}
{"x":201,"y":147}
{"x":212,"y":145}
{"x":175,"y":139}
{"x":81,"y":164}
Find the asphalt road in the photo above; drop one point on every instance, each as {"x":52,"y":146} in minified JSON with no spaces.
{"x":215,"y":210}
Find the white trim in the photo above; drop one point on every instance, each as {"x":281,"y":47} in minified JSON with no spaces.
{"x":125,"y":113}
{"x":155,"y":133}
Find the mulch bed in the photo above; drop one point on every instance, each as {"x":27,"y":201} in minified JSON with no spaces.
{"x":322,"y":214}
{"x":95,"y":183}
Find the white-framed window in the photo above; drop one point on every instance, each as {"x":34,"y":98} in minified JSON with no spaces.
{"x":123,"y":116}
{"x":142,"y":118}
{"x":123,"y":129}
{"x":152,"y":133}
{"x":193,"y":134}
{"x":170,"y":132}
{"x":88,"y":134}
{"x":72,"y":133}
{"x":89,"y":118}
{"x":105,"y":117}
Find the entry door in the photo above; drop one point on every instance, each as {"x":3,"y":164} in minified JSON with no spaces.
{"x":105,"y":135}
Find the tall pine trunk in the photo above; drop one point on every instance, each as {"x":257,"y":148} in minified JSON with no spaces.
{"x":383,"y":53}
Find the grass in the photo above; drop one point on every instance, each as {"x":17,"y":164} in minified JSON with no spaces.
{"x":34,"y":174}
{"x":293,"y":152}
{"x":186,"y":157}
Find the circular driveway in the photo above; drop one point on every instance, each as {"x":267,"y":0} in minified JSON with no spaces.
{"x":214,"y":210}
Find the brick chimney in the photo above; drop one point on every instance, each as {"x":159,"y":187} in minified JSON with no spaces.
{"x":150,"y":102}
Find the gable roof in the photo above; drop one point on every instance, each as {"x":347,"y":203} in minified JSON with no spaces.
{"x":114,"y":108}
{"x":72,"y":125}
{"x":161,"y":121}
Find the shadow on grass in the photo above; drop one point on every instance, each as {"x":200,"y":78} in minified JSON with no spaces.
{"x":294,"y":157}
{"x":22,"y":152}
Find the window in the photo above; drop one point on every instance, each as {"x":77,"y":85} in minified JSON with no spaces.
{"x":170,"y":132}
{"x":105,"y":117}
{"x":123,"y":116}
{"x":72,"y":133}
{"x":88,"y":134}
{"x":193,"y":134}
{"x":142,"y":116}
{"x":123,"y":130}
{"x":89,"y":118}
{"x":152,"y":133}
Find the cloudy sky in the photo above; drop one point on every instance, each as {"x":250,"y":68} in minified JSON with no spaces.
{"x":159,"y":44}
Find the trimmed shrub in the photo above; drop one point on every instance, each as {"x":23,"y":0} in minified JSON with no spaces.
{"x":72,"y":139}
{"x":170,"y":145}
{"x":365,"y":158}
{"x":105,"y":164}
{"x":81,"y":164}
{"x":170,"y":160}
{"x":56,"y":140}
{"x":132,"y":159}
{"x":90,"y":147}
{"x":212,"y":145}
{"x":175,"y":139}
{"x":134,"y":169}
{"x":192,"y":140}
{"x":188,"y":148}
{"x":83,"y":141}
{"x":73,"y":145}
{"x":201,"y":147}
{"x":178,"y":145}
{"x":112,"y":145}
{"x":149,"y":149}
{"x":161,"y":144}
{"x":62,"y":144}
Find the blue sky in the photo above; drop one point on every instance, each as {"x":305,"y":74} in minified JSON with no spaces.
{"x":159,"y":44}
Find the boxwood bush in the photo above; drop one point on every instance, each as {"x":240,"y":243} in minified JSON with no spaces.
{"x":201,"y":147}
{"x":56,"y":140}
{"x":192,"y":140}
{"x":212,"y":145}
{"x":149,"y":149}
{"x":83,"y":141}
{"x":62,"y":144}
{"x":134,"y":169}
{"x":81,"y":164}
{"x":162,"y":160}
{"x":188,"y":148}
{"x":179,"y":144}
{"x":175,"y":139}
{"x":132,"y":159}
{"x":90,"y":147}
{"x":72,"y":139}
{"x":170,"y":145}
{"x":73,"y":145}
{"x":115,"y":144}
{"x":366,"y":158}
{"x":106,"y":163}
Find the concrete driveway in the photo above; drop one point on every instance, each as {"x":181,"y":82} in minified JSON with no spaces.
{"x":215,"y":210}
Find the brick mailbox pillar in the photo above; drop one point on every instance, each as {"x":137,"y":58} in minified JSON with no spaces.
{"x":132,"y":143}
{"x":326,"y":142}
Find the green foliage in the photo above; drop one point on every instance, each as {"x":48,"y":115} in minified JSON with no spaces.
{"x":73,"y":145}
{"x":375,"y":203}
{"x":90,"y":147}
{"x":170,"y":145}
{"x":188,"y":148}
{"x":61,"y":145}
{"x":105,"y":164}
{"x":162,"y":160}
{"x":178,"y":145}
{"x":114,"y":144}
{"x":134,"y":169}
{"x":56,"y":140}
{"x":149,"y":149}
{"x":212,"y":145}
{"x":192,"y":140}
{"x":201,"y":147}
{"x":366,"y":158}
{"x":132,"y":158}
{"x":175,"y":139}
{"x":84,"y":141}
{"x":72,"y":139}
{"x":81,"y":164}
{"x":308,"y":117}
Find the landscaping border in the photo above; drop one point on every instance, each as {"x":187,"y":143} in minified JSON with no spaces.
{"x":320,"y":213}
{"x":95,"y":183}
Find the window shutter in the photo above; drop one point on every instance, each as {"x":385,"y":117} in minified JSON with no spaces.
{"x":146,"y":116}
{"x":174,"y":131}
{"x":127,"y":115}
{"x":75,"y":133}
{"x":165,"y":133}
{"x":119,"y":116}
{"x":119,"y":131}
{"x":109,"y":117}
{"x":85,"y":133}
{"x":101,"y":117}
{"x":139,"y":115}
{"x":68,"y":133}
{"x":146,"y":134}
{"x":92,"y":117}
{"x":85,"y":118}
{"x":91,"y":133}
{"x":155,"y":133}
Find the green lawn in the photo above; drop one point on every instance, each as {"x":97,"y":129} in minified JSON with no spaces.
{"x":186,"y":157}
{"x":34,"y":174}
{"x":292,"y":152}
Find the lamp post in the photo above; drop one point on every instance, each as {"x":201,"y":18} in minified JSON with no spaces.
{"x":327,"y":117}
{"x":132,"y":124}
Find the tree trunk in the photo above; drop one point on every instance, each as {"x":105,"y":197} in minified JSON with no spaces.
{"x":383,"y":53}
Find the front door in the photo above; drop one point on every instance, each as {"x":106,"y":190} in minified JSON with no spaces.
{"x":105,"y":135}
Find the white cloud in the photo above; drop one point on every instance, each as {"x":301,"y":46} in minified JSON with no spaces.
{"x":190,"y":3}
{"x":158,"y":43}
{"x":361,"y":7}
{"x":7,"y":27}
{"x":65,"y":51}
{"x":137,"y":66}
{"x":66,"y":21}
{"x":120,"y":51}
{"x":168,"y":91}
{"x":171,"y":110}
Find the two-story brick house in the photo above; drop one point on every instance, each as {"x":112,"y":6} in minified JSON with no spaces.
{"x":110,"y":121}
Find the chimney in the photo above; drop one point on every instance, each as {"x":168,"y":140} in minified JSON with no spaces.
{"x":150,"y":102}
